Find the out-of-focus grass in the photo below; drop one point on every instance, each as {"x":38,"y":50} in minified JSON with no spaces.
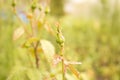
{"x":95,"y":45}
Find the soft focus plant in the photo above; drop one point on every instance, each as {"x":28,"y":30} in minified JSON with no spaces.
{"x":36,"y":45}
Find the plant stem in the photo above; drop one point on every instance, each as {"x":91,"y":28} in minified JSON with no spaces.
{"x":60,"y":41}
{"x":36,"y":55}
{"x":63,"y":72}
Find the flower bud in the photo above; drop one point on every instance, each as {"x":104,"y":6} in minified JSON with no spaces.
{"x":47,"y":10}
{"x":13,"y":3}
{"x":60,"y":38}
{"x":33,"y":6}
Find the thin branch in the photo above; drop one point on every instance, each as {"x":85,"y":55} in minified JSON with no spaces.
{"x":36,"y":55}
{"x":63,"y":68}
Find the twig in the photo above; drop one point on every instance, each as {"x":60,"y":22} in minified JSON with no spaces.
{"x":36,"y":55}
{"x":60,"y":41}
{"x":63,"y":72}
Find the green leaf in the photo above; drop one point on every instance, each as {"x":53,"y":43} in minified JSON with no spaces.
{"x":30,"y":41}
{"x":48,"y":49}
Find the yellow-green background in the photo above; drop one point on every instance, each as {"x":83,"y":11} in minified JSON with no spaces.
{"x":93,"y":39}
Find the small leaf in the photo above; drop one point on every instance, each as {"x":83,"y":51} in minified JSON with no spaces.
{"x":48,"y":49}
{"x":13,"y":3}
{"x":18,"y":33}
{"x":40,"y":7}
{"x":47,"y":10}
{"x":30,"y":41}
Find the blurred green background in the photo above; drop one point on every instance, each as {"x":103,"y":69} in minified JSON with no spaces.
{"x":92,"y":33}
